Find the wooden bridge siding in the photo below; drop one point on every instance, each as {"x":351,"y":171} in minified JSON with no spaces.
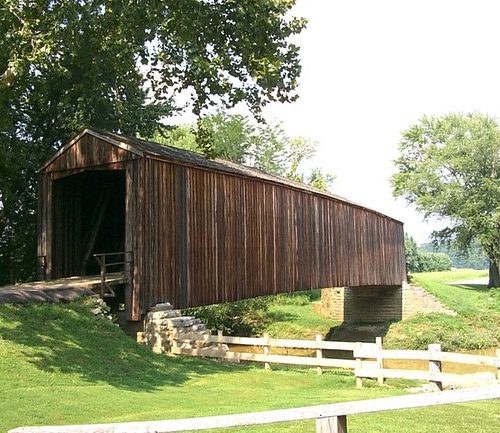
{"x":154,"y":225}
{"x":200,"y":237}
{"x":231,"y":237}
{"x":88,"y":152}
{"x":44,"y":228}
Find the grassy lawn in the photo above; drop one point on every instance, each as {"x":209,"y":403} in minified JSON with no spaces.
{"x":61,"y":365}
{"x":476,"y":325}
{"x":463,"y":299}
{"x":293,"y":316}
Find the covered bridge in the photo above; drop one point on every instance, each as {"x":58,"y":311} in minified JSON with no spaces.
{"x":199,"y":231}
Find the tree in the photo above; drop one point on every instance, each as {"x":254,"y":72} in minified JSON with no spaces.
{"x":412,"y":254}
{"x":263,"y":146}
{"x":472,"y":258}
{"x":424,"y":261}
{"x":449,"y":167}
{"x":116,"y":65}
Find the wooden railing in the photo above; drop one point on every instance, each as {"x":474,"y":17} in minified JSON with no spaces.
{"x":125,"y":264}
{"x":330,"y":418}
{"x":367,"y":359}
{"x":41,"y":268}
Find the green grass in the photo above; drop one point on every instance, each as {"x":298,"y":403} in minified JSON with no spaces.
{"x":463,"y":299}
{"x":476,"y":325}
{"x":293,"y":316}
{"x":61,"y":365}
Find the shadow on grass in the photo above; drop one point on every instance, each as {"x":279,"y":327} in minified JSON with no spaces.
{"x":276,"y":315}
{"x":67,"y":339}
{"x":356,"y":332}
{"x":474,"y":287}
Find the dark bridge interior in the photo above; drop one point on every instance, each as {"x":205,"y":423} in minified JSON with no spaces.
{"x":88,"y":217}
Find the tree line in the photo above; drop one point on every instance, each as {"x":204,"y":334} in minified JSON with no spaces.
{"x":118,"y":65}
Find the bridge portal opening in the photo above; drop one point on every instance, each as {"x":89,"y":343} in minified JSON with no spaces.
{"x":88,"y":218}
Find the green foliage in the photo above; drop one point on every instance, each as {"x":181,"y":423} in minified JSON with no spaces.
{"x":434,"y":262}
{"x":296,"y":298}
{"x":476,"y":325}
{"x":61,"y":365}
{"x":463,"y":299}
{"x":412,"y":254}
{"x":264,"y":146}
{"x":471,"y":258}
{"x":114,"y":65}
{"x":282,"y":315}
{"x":242,"y":318}
{"x":450,"y":167}
{"x":452,"y":333}
{"x":421,"y":261}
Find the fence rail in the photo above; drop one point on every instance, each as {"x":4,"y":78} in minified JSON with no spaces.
{"x":103,"y":260}
{"x":367,"y":360}
{"x":330,"y":418}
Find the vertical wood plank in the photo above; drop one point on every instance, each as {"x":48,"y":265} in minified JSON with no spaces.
{"x":380,"y":361}
{"x":359,"y":365}
{"x":334,"y":424}
{"x":319,"y":353}
{"x":498,"y":365}
{"x":219,"y":345}
{"x":267,"y":365}
{"x":435,"y":367}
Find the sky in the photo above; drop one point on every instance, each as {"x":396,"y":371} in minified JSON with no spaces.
{"x":371,"y":69}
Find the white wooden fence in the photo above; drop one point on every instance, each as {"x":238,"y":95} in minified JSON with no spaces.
{"x":330,"y":418}
{"x":368,"y":358}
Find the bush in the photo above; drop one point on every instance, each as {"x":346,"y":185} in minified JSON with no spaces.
{"x":297,"y":298}
{"x":421,"y":261}
{"x":243,"y":318}
{"x":477,"y":331}
{"x":434,"y":262}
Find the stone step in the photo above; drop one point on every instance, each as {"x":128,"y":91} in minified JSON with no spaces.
{"x":183,"y":321}
{"x":162,"y":307}
{"x":165,"y":314}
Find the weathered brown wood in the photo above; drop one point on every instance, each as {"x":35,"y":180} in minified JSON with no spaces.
{"x":333,"y":424}
{"x":435,"y":366}
{"x":204,"y":232}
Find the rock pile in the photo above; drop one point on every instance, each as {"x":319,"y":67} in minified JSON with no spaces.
{"x":100,"y":308}
{"x":163,"y":324}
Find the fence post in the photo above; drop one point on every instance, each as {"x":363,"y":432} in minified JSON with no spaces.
{"x":219,"y":345}
{"x":380,"y":361}
{"x":267,"y":366}
{"x":498,"y":365}
{"x":319,"y":353}
{"x":435,"y":369}
{"x":359,"y":365}
{"x":333,"y":424}
{"x":103,"y":275}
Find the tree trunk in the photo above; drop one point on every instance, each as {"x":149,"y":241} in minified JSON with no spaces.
{"x":494,"y":274}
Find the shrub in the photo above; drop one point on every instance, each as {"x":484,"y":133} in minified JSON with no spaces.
{"x":243,"y":318}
